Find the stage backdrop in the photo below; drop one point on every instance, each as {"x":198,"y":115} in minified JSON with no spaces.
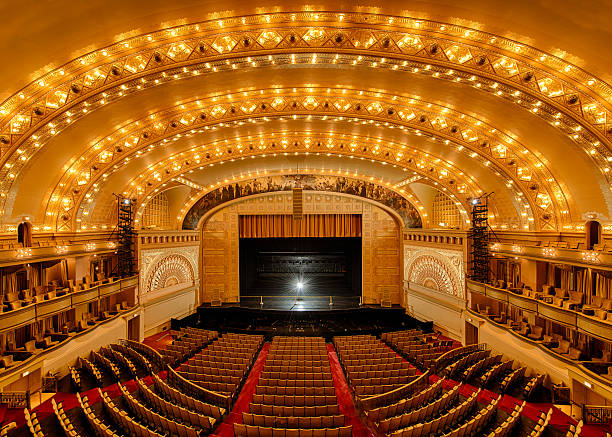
{"x":310,"y":225}
{"x":380,"y":232}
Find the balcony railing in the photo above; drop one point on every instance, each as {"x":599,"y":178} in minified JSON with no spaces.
{"x":153,"y":238}
{"x":36,"y":311}
{"x":586,"y":258}
{"x":446,"y":237}
{"x":596,"y":414}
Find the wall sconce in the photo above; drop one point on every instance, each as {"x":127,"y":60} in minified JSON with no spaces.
{"x":549,"y":251}
{"x":90,"y":246}
{"x":111,"y":245}
{"x":590,"y":256}
{"x":61,"y":249}
{"x":24,"y":252}
{"x":517,"y":249}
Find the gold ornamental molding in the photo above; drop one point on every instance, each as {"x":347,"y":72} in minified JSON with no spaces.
{"x":520,"y":169}
{"x":168,"y":172}
{"x":22,"y":155}
{"x":571,"y":90}
{"x":569,"y":98}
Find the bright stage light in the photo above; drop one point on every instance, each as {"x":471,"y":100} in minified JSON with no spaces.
{"x":300,"y":285}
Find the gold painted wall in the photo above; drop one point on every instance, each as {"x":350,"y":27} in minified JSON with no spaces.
{"x":382,"y":275}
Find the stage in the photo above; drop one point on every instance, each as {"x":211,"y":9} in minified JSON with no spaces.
{"x":325,"y":322}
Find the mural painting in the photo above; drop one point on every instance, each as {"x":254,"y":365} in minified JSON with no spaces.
{"x":355,"y":187}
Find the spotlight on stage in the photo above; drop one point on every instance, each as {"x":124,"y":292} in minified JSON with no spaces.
{"x":300,"y":285}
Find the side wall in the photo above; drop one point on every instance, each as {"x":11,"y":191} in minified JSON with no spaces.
{"x":434,"y":284}
{"x":169,"y":277}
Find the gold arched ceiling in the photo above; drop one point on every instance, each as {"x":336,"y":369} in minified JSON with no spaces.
{"x":446,"y":102}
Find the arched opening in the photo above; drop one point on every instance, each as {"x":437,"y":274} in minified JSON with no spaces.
{"x":593,"y":234}
{"x":24,"y":234}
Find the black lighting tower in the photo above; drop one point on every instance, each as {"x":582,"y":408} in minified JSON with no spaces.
{"x":479,"y":239}
{"x":125,"y":234}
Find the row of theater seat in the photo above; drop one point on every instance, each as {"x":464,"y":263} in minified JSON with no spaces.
{"x":225,"y":380}
{"x":163,"y":422}
{"x":177,"y":412}
{"x":361,"y":350}
{"x":295,"y":396}
{"x":419,"y":348}
{"x":405,"y":405}
{"x":188,"y":342}
{"x":242,"y":430}
{"x":454,"y":369}
{"x":421,"y":412}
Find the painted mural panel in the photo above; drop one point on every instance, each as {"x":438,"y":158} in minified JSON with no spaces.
{"x":356,"y":187}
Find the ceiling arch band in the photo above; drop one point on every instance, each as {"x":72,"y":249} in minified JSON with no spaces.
{"x":567,"y":97}
{"x":505,"y":156}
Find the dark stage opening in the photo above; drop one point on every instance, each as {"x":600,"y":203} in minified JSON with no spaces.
{"x":300,"y":273}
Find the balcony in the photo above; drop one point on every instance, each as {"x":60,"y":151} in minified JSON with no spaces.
{"x":591,"y":373}
{"x":590,"y":325}
{"x":37,"y":311}
{"x":53,"y":246}
{"x":578,"y":257}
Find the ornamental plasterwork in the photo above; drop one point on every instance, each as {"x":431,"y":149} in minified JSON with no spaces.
{"x":438,"y":269}
{"x":524,"y":174}
{"x":181,"y":262}
{"x":548,"y":86}
{"x":317,"y":183}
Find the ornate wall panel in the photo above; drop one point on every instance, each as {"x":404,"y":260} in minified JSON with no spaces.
{"x":437,"y":269}
{"x":162,"y":268}
{"x":382,"y":257}
{"x":381,"y":240}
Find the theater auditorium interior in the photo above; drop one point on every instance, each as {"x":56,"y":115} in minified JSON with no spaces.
{"x":290,"y":219}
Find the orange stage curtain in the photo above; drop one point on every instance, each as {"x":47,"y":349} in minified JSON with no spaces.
{"x":311,"y":225}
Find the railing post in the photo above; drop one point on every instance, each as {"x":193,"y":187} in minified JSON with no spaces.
{"x":261,"y":300}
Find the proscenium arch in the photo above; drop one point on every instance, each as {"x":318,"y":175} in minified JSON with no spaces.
{"x":201,"y":191}
{"x":285,"y":182}
{"x":203,"y":220}
{"x":231,"y":238}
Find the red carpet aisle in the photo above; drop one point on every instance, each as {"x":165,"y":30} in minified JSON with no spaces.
{"x":345,"y":398}
{"x":159,"y":340}
{"x":226,"y":429}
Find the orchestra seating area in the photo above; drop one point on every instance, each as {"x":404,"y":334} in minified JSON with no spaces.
{"x":188,"y":342}
{"x":442,"y":407}
{"x":419,"y":348}
{"x":295,"y":395}
{"x":295,"y":391}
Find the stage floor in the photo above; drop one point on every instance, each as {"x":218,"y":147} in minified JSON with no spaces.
{"x":324,"y":322}
{"x":309,"y":303}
